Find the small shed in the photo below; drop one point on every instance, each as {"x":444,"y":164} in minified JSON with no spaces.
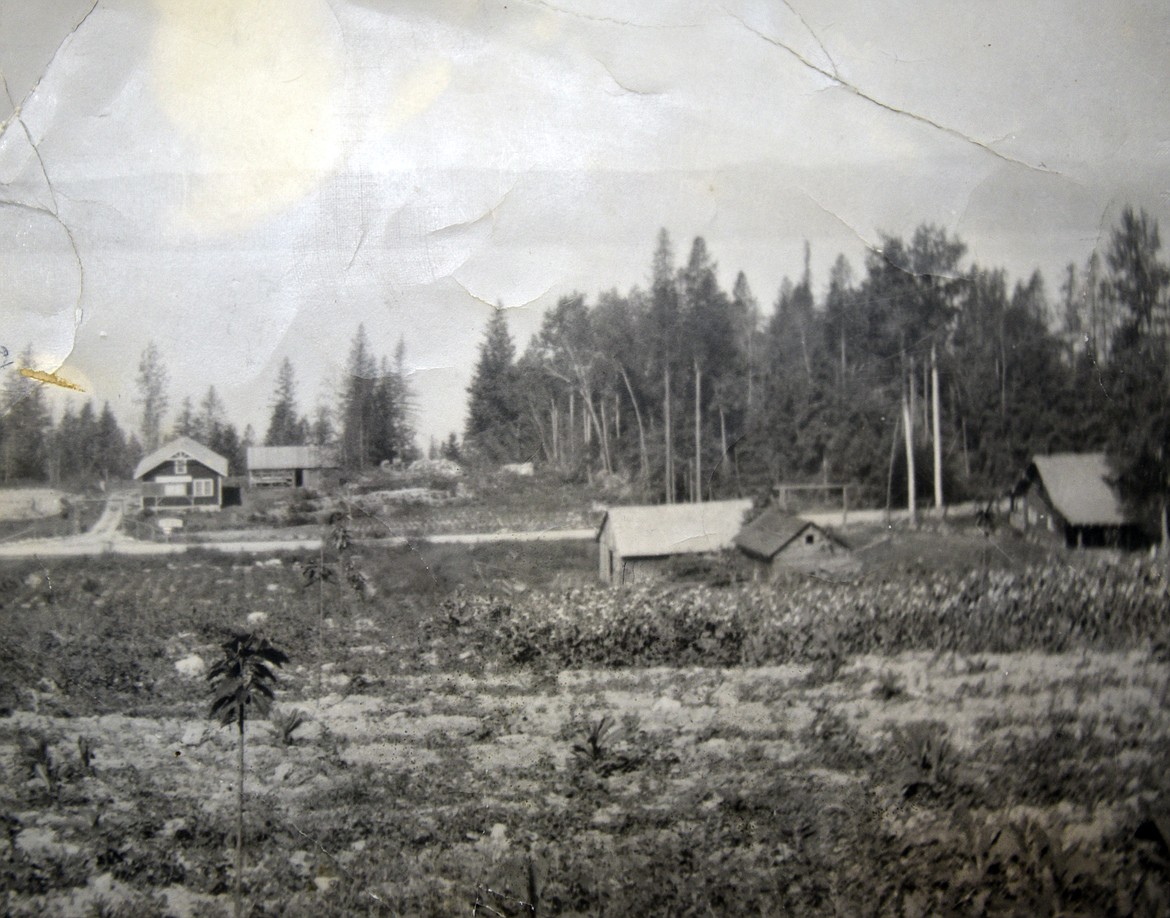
{"x":1074,"y":495}
{"x":637,"y":543}
{"x":182,"y":475}
{"x":777,"y":542}
{"x":291,"y":467}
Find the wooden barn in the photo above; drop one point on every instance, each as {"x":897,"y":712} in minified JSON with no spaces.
{"x":778,"y":542}
{"x":637,"y":543}
{"x":182,"y":475}
{"x":292,"y":467}
{"x":1073,"y":496}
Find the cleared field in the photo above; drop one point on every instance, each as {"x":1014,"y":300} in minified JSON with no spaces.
{"x":434,"y":770}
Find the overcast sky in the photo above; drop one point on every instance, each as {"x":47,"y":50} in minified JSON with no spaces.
{"x":245,"y":180}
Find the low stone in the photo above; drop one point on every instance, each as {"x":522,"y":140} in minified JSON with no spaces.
{"x":191,"y":666}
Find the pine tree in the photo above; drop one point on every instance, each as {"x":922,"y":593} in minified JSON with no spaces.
{"x":494,"y":406}
{"x":285,"y":426}
{"x":357,"y":403}
{"x":152,"y":395}
{"x":186,"y":424}
{"x":212,"y":415}
{"x":1138,"y":373}
{"x":321,"y":431}
{"x":111,"y":453}
{"x":24,"y":450}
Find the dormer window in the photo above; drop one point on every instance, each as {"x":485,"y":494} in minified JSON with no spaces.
{"x":180,"y":466}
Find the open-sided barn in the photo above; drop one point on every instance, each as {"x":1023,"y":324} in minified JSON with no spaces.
{"x":778,"y":542}
{"x":636,"y":543}
{"x":182,"y":475}
{"x":1073,"y":494}
{"x":291,"y":466}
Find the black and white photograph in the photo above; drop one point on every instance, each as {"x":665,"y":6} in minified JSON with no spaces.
{"x":530,"y":458}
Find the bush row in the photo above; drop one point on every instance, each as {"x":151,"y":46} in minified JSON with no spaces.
{"x":1053,"y":608}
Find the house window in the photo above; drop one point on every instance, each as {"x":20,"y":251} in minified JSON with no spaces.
{"x":180,"y":466}
{"x":809,"y":539}
{"x":174,"y":490}
{"x":203,"y":487}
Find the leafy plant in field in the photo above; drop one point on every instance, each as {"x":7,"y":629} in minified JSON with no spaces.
{"x":925,"y":755}
{"x":335,"y":568}
{"x":594,"y":747}
{"x":287,"y":724}
{"x":889,"y":686}
{"x":35,"y":758}
{"x":598,"y":750}
{"x":242,"y":685}
{"x":1050,"y":870}
{"x":85,"y":756}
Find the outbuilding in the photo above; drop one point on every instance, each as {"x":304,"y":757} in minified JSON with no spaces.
{"x":182,"y":475}
{"x":1074,"y":495}
{"x":778,"y":542}
{"x":637,"y":543}
{"x":291,"y":467}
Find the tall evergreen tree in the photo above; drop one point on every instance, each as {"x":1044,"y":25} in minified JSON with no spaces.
{"x":187,"y":424}
{"x":112,"y":454}
{"x":285,"y":426}
{"x":212,"y":415}
{"x":495,"y":408}
{"x":321,"y":432}
{"x":664,"y":334}
{"x":1139,"y":368}
{"x":357,"y":403}
{"x":24,"y":450}
{"x":152,"y":395}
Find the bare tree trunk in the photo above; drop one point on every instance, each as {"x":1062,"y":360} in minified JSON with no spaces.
{"x":937,"y":419}
{"x":925,"y":400}
{"x":641,"y":430}
{"x":913,"y":388}
{"x":890,"y":474}
{"x":605,"y":438}
{"x":572,"y":427}
{"x":908,"y":420}
{"x":698,"y":491}
{"x":555,"y":423}
{"x":843,"y":369}
{"x":722,"y":443}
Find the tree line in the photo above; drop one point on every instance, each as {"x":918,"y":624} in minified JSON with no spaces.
{"x":370,"y":421}
{"x":691,"y":391}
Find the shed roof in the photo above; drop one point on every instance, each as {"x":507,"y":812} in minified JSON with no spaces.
{"x":772,"y":530}
{"x":1080,"y":489}
{"x":674,"y":529}
{"x":290,"y":457}
{"x":192,"y":448}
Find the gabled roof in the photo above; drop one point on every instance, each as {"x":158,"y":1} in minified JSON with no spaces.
{"x":772,"y":530}
{"x":290,"y":457}
{"x":674,"y":529}
{"x":1079,"y":488}
{"x":192,"y":449}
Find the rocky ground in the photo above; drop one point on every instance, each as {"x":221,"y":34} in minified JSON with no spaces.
{"x":917,"y":784}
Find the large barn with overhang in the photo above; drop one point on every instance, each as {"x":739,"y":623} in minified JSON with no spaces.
{"x":1075,"y":496}
{"x":638,"y":543}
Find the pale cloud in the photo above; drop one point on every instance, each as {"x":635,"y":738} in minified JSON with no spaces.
{"x":253,"y":86}
{"x":417,"y":91}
